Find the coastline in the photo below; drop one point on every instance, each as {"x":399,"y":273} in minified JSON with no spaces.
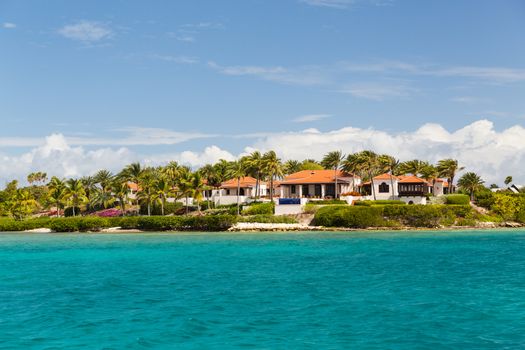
{"x":282,"y":228}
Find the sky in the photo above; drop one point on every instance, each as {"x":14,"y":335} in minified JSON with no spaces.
{"x":98,"y":84}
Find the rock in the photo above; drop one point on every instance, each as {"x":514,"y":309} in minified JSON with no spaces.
{"x":40,"y":230}
{"x":487,"y":224}
{"x":511,"y":224}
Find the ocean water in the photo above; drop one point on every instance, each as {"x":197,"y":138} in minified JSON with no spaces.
{"x":416,"y":290}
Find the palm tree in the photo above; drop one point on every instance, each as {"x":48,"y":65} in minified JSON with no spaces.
{"x":22,"y":204}
{"x":390,"y":164}
{"x":172,"y":172}
{"x":508,"y":180}
{"x":56,"y":194}
{"x":333,"y":160}
{"x":430,"y":173}
{"x":147,"y":180}
{"x":273,"y":168}
{"x":470,"y":182}
{"x":237,"y":170}
{"x":75,"y":193}
{"x":184,"y":186}
{"x":163,"y":190}
{"x":254,"y":167}
{"x":198,"y":187}
{"x":448,"y":168}
{"x":413,"y":167}
{"x":352,"y":165}
{"x":120,"y":191}
{"x":90,"y":187}
{"x":291,"y":166}
{"x":365,"y":162}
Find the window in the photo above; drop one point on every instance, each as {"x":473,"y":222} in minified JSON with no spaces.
{"x":384,"y":188}
{"x":293,"y":189}
{"x":227,"y":192}
{"x":241,"y":192}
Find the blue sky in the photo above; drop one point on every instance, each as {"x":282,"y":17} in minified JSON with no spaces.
{"x":156,"y":78}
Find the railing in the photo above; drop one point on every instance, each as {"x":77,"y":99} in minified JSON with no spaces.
{"x":412,"y":193}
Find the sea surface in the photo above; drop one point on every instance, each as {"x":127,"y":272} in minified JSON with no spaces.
{"x":375,"y":290}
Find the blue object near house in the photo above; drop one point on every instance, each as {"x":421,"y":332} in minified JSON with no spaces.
{"x":289,"y":201}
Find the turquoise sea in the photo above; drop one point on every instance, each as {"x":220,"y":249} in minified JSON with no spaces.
{"x":403,"y":290}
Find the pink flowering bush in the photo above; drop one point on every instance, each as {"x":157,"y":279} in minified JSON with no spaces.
{"x":109,"y":213}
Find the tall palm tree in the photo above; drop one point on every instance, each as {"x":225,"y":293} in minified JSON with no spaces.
{"x":470,"y":182}
{"x":430,"y":173}
{"x":508,"y":180}
{"x":413,"y":167}
{"x":254,"y":166}
{"x":237,"y":170}
{"x":364,"y":163}
{"x":75,"y":193}
{"x":90,"y":187}
{"x":172,"y":172}
{"x":449,"y":168}
{"x":185,"y":186}
{"x":333,"y":160}
{"x":147,"y":180}
{"x":273,"y":168}
{"x":23,"y":204}
{"x":198,"y":187}
{"x":163,"y":191}
{"x":56,"y":192}
{"x":120,"y":190}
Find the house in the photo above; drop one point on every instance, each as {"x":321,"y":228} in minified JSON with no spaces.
{"x":316,"y":184}
{"x":408,"y":188}
{"x":227,"y":192}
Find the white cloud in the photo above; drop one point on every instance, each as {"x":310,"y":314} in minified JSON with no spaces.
{"x":311,"y":118}
{"x":134,"y":136}
{"x":8,"y":25}
{"x":342,"y":4}
{"x":57,"y":157}
{"x":86,"y":31}
{"x":479,"y":146}
{"x":378,"y":91}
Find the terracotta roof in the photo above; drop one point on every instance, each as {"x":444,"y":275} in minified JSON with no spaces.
{"x":133,"y":186}
{"x":411,"y":179}
{"x":246,"y":181}
{"x":385,"y":176}
{"x":314,"y":177}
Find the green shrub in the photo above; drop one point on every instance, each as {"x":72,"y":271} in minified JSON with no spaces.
{"x":259,"y":209}
{"x":349,"y":216}
{"x":379,"y":202}
{"x":176,"y":208}
{"x":328,"y":201}
{"x":391,"y":215}
{"x":270,"y":219}
{"x":484,"y":198}
{"x":457,"y":199}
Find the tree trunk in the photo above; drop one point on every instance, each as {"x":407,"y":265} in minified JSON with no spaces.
{"x":257,"y":187}
{"x":372,"y":185}
{"x":271,"y":188}
{"x":149,"y":208}
{"x":336,"y":189}
{"x":186,"y":204}
{"x":162,"y":206}
{"x":238,"y":191}
{"x":392,"y":184}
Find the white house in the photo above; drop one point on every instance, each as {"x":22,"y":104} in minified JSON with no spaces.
{"x":317,"y":184}
{"x":227,"y":192}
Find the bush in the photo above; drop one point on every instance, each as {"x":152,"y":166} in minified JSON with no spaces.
{"x":391,"y":215}
{"x":151,"y":223}
{"x":259,"y":209}
{"x":176,"y":208}
{"x":69,"y":211}
{"x":379,"y":202}
{"x":328,"y":202}
{"x":484,"y":198}
{"x":457,"y":199}
{"x":270,"y":219}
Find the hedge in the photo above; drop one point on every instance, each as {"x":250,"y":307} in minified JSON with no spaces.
{"x":457,"y":199}
{"x":146,"y":223}
{"x":269,"y":219}
{"x":379,"y":202}
{"x":391,"y":215}
{"x":259,"y":209}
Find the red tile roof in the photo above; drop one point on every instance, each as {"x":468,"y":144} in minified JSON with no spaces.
{"x":411,"y":179}
{"x":314,"y":177}
{"x":245,"y":182}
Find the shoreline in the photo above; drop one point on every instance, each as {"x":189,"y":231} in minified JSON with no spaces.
{"x":279,"y":228}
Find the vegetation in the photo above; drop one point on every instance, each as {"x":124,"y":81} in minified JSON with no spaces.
{"x":457,"y":199}
{"x":391,"y":215}
{"x":259,"y":209}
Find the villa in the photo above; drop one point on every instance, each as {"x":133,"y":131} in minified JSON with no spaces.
{"x":317,"y":184}
{"x":227,"y":192}
{"x":408,"y":188}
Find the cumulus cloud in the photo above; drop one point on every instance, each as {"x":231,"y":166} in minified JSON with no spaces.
{"x":86,"y":31}
{"x":479,"y":147}
{"x":8,"y":25}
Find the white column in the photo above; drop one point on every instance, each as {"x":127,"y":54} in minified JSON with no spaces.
{"x":282,"y":191}
{"x":323,"y":190}
{"x":300,"y":191}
